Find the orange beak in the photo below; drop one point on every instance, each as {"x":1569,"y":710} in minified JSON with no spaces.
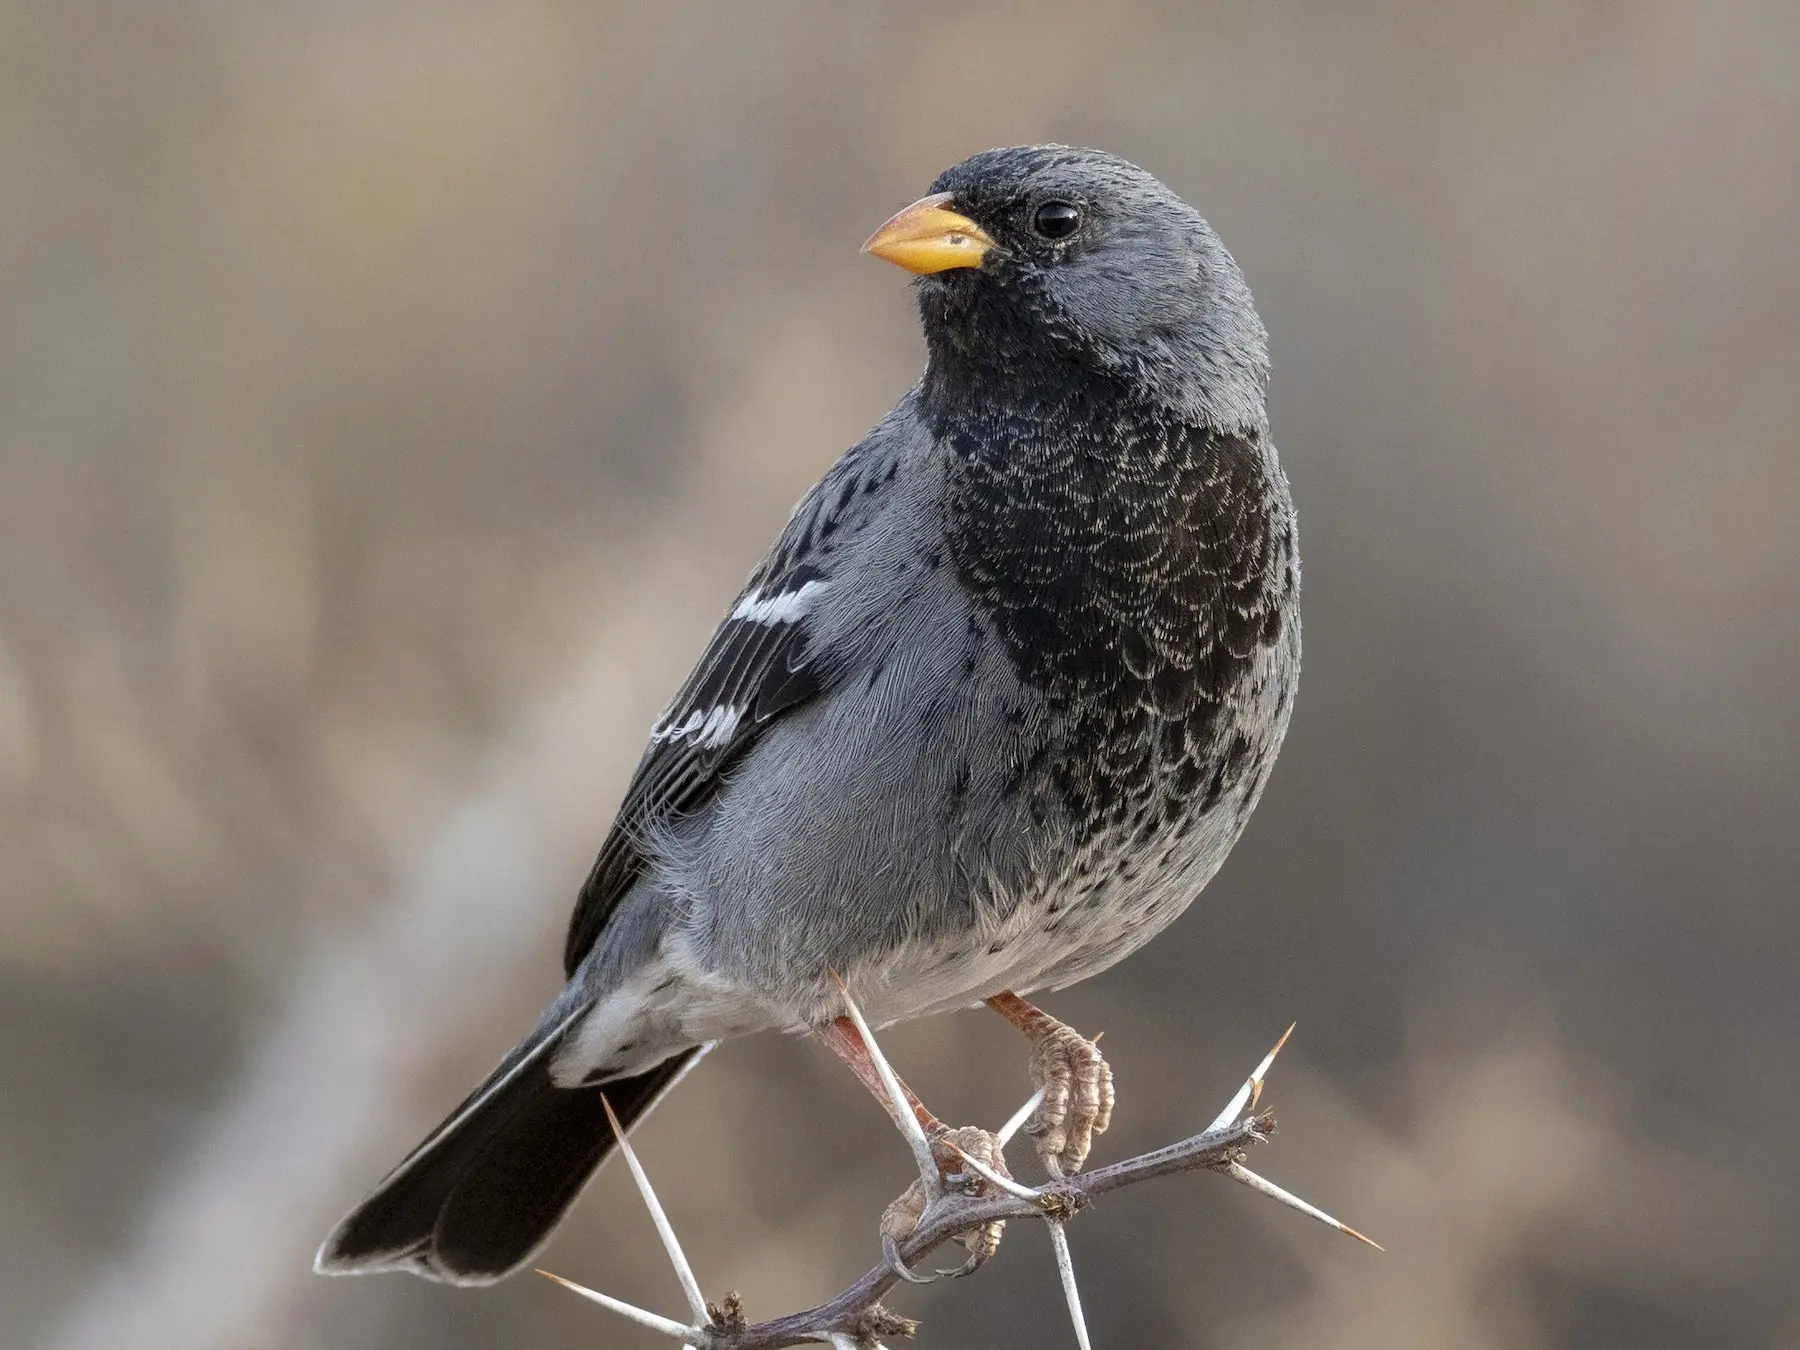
{"x":929,"y":237}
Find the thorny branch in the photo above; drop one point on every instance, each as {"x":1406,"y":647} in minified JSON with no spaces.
{"x":977,"y":1198}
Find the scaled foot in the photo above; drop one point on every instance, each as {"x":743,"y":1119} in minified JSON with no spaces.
{"x":1076,"y":1081}
{"x":1078,"y":1096}
{"x":902,"y":1216}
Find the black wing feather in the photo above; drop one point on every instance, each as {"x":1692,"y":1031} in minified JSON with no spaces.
{"x":758,"y":669}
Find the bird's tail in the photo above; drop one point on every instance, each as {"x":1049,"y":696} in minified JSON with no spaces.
{"x":473,"y":1202}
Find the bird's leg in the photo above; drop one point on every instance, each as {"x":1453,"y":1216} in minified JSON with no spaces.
{"x":844,"y":1041}
{"x":1076,"y":1081}
{"x":948,"y":1148}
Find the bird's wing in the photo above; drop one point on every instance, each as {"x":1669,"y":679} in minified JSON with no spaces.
{"x":764,"y":660}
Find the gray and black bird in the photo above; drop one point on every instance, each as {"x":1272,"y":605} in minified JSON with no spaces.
{"x":985,"y":720}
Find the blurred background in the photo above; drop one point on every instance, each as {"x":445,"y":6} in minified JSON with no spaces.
{"x":392,"y":395}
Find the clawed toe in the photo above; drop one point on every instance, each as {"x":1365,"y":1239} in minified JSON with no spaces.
{"x":1078,"y":1095}
{"x":902,"y":1215}
{"x":890,"y":1253}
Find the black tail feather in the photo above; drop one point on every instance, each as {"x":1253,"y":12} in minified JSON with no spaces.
{"x":473,"y":1202}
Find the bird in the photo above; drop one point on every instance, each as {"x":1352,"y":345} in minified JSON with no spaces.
{"x":987,"y":717}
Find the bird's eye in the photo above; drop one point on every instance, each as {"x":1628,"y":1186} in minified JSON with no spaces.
{"x":1057,"y":220}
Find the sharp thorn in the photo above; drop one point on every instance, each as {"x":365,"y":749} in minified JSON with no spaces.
{"x":667,"y":1326}
{"x":908,"y":1122}
{"x":664,"y":1229}
{"x":1239,"y":1173}
{"x":1251,"y":1092}
{"x":1019,"y":1117}
{"x":1008,"y":1184}
{"x":1065,"y":1268}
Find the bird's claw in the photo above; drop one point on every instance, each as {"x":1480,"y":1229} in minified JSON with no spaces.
{"x":890,"y":1255}
{"x":1078,"y":1095}
{"x":901,"y":1217}
{"x":978,"y":1258}
{"x":982,"y":1243}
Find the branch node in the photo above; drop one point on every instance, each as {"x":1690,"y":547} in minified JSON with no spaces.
{"x":877,"y":1321}
{"x":1062,"y":1202}
{"x":727,"y":1315}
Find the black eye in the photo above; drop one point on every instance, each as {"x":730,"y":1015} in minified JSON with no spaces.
{"x":1057,"y":220}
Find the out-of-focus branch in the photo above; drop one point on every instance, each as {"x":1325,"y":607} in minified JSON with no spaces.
{"x":959,"y":1203}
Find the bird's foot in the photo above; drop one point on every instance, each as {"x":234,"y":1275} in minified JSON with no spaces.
{"x":1078,"y":1093}
{"x":900,"y":1218}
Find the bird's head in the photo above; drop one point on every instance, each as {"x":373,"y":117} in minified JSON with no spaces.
{"x":1039,"y":265}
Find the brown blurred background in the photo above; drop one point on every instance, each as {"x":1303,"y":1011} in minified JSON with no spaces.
{"x":392,"y":394}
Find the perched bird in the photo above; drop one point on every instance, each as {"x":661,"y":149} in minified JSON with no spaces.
{"x":988,"y":716}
